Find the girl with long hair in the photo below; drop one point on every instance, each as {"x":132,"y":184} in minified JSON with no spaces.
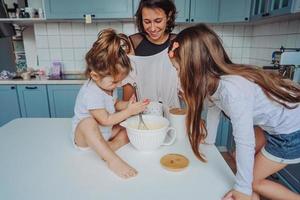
{"x":97,"y":111}
{"x":249,"y":97}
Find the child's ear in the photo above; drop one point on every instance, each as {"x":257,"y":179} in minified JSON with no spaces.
{"x":94,"y":76}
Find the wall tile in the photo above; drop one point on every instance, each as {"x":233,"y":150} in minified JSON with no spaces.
{"x":67,"y":54}
{"x":66,"y":41}
{"x":118,"y":26}
{"x":91,"y":29}
{"x":238,"y":31}
{"x":80,"y":54}
{"x":227,"y":41}
{"x":43,"y":54}
{"x":129,"y":28}
{"x":52,"y":29}
{"x":102,"y":26}
{"x":40,"y":29}
{"x":78,"y":41}
{"x":89,"y":41}
{"x":77,"y":28}
{"x":237,"y":42}
{"x":54,"y":41}
{"x":41,"y":41}
{"x":227,"y":30}
{"x":55,"y":54}
{"x":65,"y":28}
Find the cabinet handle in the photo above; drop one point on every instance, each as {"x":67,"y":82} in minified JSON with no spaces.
{"x":186,"y":20}
{"x":92,"y":15}
{"x":246,"y":18}
{"x":31,"y":88}
{"x":265,"y":14}
{"x":12,"y":87}
{"x":192,"y":20}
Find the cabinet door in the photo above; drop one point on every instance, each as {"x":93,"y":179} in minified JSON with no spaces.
{"x":234,"y":10}
{"x":33,"y":100}
{"x":9,"y":105}
{"x":204,"y":10}
{"x":183,"y":10}
{"x":62,"y":99}
{"x":266,"y":8}
{"x":99,"y":9}
{"x":223,"y":133}
{"x":279,"y":7}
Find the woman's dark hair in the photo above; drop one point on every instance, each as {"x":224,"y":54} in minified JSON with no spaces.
{"x":167,"y":6}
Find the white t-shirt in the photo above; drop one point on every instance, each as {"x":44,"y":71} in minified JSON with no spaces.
{"x":92,"y":97}
{"x":245,"y":103}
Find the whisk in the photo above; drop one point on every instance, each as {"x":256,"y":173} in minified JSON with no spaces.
{"x":142,"y":124}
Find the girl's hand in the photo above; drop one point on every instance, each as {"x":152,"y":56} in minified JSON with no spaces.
{"x":137,"y":107}
{"x":236,"y":195}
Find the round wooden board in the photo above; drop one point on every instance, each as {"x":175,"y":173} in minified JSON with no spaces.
{"x":174,"y":162}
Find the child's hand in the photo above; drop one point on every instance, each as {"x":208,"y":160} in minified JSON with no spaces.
{"x":137,"y":107}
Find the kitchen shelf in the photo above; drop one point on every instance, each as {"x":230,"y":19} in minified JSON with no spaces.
{"x":23,"y":20}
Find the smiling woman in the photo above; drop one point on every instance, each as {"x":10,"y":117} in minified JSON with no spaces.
{"x":155,"y":20}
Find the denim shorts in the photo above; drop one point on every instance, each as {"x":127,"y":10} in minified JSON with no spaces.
{"x":283,"y":148}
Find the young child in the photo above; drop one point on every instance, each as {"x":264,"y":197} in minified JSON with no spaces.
{"x":249,"y":97}
{"x":95,"y":123}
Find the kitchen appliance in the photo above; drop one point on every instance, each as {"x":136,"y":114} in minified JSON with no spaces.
{"x":7,"y":58}
{"x":286,"y":62}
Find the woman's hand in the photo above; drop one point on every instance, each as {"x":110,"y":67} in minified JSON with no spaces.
{"x":236,"y":195}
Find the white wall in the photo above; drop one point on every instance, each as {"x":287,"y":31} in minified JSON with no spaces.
{"x":68,"y":42}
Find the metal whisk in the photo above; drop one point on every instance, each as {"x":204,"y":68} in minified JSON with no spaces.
{"x":142,"y":124}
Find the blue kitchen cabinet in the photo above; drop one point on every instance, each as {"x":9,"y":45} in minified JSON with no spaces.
{"x":234,"y":10}
{"x":183,"y":10}
{"x":204,"y":11}
{"x":268,"y":8}
{"x":33,"y":100}
{"x":98,"y":9}
{"x":9,"y":105}
{"x":62,"y":99}
{"x":223,"y":133}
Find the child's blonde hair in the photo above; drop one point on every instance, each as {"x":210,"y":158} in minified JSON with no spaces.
{"x":108,"y":55}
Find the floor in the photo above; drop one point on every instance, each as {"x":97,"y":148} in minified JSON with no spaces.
{"x":231,"y":162}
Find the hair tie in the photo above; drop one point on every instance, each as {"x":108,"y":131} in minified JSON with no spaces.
{"x":174,"y":46}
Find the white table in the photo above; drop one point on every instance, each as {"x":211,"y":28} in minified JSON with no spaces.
{"x":38,"y":161}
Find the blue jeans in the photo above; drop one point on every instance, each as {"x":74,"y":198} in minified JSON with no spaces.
{"x":284,"y":148}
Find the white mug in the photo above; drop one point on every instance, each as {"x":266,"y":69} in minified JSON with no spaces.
{"x":177,"y":118}
{"x":154,"y":108}
{"x":154,"y":137}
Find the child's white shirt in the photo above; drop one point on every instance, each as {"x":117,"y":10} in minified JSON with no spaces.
{"x":92,"y":97}
{"x":245,"y":103}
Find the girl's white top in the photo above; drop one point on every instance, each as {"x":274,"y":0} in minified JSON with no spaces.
{"x":92,"y":97}
{"x":245,"y":103}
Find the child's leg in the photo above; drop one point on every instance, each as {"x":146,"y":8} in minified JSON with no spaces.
{"x":263,"y":168}
{"x":88,"y":134}
{"x":119,"y":137}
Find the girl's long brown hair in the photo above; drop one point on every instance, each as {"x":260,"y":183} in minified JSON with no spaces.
{"x":202,"y":60}
{"x":108,"y":55}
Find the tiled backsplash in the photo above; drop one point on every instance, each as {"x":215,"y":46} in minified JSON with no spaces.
{"x":68,"y":42}
{"x":269,"y":37}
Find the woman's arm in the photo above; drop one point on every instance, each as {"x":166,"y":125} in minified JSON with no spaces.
{"x":128,"y":91}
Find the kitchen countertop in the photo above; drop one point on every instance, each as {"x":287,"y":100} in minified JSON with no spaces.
{"x":37,"y":81}
{"x":38,"y":161}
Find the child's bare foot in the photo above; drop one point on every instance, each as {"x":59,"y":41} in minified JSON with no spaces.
{"x":121,"y":168}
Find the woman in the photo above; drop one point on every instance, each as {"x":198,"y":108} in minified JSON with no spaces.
{"x":155,"y":20}
{"x":249,"y":97}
